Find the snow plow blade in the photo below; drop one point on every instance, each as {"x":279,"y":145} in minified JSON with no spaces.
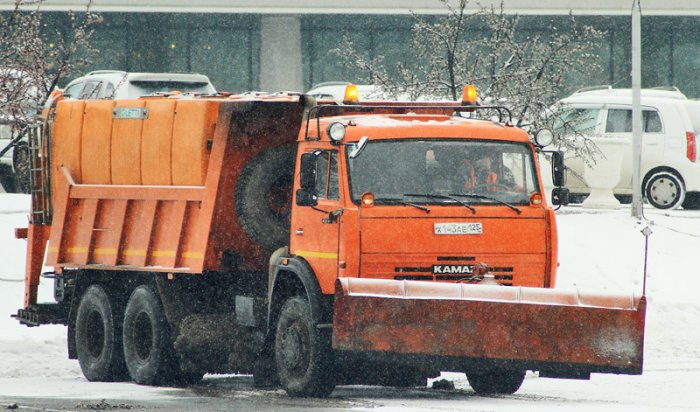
{"x":461,"y":327}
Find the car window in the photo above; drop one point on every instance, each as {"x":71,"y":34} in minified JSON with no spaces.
{"x":620,"y":121}
{"x":106,"y":91}
{"x":576,"y":120}
{"x":91,"y":90}
{"x":74,"y":90}
{"x":144,"y":88}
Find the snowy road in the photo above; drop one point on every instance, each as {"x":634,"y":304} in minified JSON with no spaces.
{"x":598,"y":250}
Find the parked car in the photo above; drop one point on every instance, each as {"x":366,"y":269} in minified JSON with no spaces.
{"x":114,"y":84}
{"x":335,"y":91}
{"x":670,"y":171}
{"x":19,"y":97}
{"x":101,"y":84}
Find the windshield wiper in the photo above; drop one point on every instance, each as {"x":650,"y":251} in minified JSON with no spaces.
{"x":436,"y":196}
{"x":475,"y":196}
{"x":403,"y":202}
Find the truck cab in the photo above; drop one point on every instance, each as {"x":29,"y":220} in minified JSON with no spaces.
{"x":420,"y":196}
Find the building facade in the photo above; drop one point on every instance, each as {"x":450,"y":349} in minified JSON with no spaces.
{"x":286,"y":45}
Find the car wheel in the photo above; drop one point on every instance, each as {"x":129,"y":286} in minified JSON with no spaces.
{"x":665,"y":190}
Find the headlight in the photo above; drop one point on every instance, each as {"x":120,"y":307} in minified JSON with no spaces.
{"x":544,"y":138}
{"x":336,"y":132}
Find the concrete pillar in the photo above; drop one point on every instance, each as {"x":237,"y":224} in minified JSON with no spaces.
{"x":280,"y":54}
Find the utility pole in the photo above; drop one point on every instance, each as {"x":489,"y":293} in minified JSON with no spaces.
{"x":636,"y":109}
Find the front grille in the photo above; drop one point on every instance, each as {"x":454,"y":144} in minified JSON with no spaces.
{"x":503,"y":274}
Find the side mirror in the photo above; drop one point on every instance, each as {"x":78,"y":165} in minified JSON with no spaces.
{"x":560,"y":196}
{"x":558,"y":169}
{"x":307,"y":172}
{"x":306,"y":198}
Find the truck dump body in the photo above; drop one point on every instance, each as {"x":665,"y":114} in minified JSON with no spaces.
{"x":152,"y":190}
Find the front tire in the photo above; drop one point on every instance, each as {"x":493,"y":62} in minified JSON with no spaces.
{"x":148,"y":349}
{"x":496,"y":381}
{"x":665,"y":190}
{"x":302,"y":352}
{"x":98,"y":338}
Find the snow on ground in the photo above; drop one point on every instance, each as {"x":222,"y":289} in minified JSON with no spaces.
{"x":601,"y":249}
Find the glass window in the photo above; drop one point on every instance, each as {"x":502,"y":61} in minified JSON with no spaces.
{"x":107,"y":91}
{"x":620,"y":121}
{"x":90,"y":91}
{"x":74,"y":90}
{"x":429,"y":171}
{"x":327,"y":176}
{"x":576,"y":121}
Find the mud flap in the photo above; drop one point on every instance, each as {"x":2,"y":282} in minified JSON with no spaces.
{"x":461,"y":327}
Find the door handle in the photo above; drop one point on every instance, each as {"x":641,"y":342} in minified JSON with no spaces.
{"x":299,"y":232}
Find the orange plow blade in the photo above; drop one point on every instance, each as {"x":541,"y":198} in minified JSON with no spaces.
{"x":462,"y":326}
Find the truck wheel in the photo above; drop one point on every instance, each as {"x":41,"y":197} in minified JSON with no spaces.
{"x":263,"y":196}
{"x":665,"y":190}
{"x":496,"y":381}
{"x":302,"y":353}
{"x":98,"y":337}
{"x":20,"y":162}
{"x":148,"y":349}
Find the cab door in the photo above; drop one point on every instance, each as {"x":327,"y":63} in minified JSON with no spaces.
{"x":315,"y":227}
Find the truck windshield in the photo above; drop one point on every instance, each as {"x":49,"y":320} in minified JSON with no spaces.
{"x":444,"y":171}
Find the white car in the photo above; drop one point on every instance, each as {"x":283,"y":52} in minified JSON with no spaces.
{"x":335,"y":91}
{"x":102,"y":84}
{"x":114,"y":84}
{"x":670,"y":170}
{"x":18,"y":108}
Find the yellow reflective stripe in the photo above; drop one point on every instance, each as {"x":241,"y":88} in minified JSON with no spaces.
{"x":77,"y":249}
{"x":104,"y":251}
{"x":163,"y":253}
{"x":322,"y":255}
{"x":134,"y":252}
{"x":193,"y":255}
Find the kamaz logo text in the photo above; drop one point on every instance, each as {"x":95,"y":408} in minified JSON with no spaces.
{"x":453,"y":269}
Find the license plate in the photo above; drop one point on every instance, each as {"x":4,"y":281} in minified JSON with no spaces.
{"x":472,"y":228}
{"x":130,"y":113}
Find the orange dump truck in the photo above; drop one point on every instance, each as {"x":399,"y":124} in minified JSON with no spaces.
{"x":309,"y":244}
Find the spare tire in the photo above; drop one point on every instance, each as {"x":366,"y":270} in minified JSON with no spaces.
{"x":264,"y":196}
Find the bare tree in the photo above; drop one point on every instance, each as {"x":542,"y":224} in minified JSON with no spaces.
{"x":525,"y":72}
{"x":32,"y":61}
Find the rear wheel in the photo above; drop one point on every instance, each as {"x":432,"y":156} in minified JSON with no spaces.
{"x":148,"y":348}
{"x":98,"y":337}
{"x":302,"y":352}
{"x":665,"y":190}
{"x":496,"y":381}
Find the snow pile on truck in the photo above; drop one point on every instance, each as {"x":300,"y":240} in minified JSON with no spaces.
{"x":312,"y":244}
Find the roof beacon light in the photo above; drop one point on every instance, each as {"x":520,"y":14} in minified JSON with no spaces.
{"x":469,"y":96}
{"x":336,"y":132}
{"x":352,"y":96}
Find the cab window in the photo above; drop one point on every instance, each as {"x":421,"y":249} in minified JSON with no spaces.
{"x":327,"y":176}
